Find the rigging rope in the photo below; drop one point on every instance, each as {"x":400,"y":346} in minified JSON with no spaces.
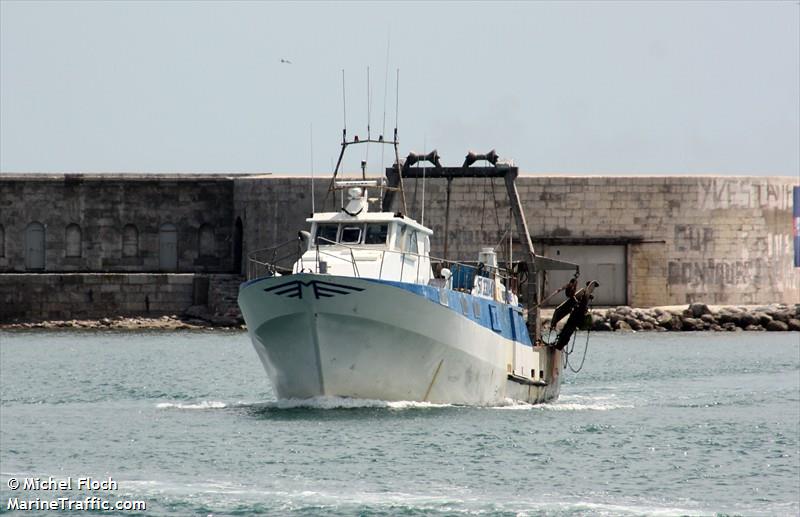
{"x":570,"y":349}
{"x":585,"y":348}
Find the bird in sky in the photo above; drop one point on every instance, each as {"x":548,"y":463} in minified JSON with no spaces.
{"x":286,"y":61}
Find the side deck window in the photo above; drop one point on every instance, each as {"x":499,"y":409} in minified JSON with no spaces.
{"x":376,"y":234}
{"x":411,"y":245}
{"x":326,"y":234}
{"x":351,"y":234}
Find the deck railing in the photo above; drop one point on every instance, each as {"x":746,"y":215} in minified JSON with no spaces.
{"x":281,"y":259}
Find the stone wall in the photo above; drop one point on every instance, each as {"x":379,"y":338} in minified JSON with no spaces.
{"x":60,"y":296}
{"x":718,"y":240}
{"x":103,"y":223}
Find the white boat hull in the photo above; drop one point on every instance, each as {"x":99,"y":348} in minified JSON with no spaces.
{"x":322,"y":335}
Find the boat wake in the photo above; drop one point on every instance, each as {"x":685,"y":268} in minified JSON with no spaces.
{"x":587,"y":403}
{"x":312,"y":403}
{"x":570,"y":403}
{"x":565,"y":403}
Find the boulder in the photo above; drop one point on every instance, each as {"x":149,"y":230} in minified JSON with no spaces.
{"x":763,"y":318}
{"x":783,"y":315}
{"x":753,"y":328}
{"x":726,"y":316}
{"x":603,"y":326}
{"x":621,"y":325}
{"x":692,"y":324}
{"x":624,"y":310}
{"x":745,"y":319}
{"x":708,"y":318}
{"x":776,"y":326}
{"x":664,"y":320}
{"x":698,"y":309}
{"x":646,"y":325}
{"x":793,"y":324}
{"x":633,"y":323}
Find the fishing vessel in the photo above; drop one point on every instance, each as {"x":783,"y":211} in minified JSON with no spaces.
{"x":357,"y":307}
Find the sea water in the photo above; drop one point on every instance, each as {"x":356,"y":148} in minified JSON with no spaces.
{"x":654,"y":424}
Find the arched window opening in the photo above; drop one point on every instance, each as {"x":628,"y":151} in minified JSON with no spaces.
{"x":73,"y":240}
{"x":34,"y":246}
{"x":130,"y":241}
{"x":207,"y":241}
{"x":168,"y":247}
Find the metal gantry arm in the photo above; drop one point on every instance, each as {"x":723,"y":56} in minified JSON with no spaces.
{"x":509,"y":174}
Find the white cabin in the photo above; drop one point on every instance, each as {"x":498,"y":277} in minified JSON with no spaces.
{"x":385,"y":246}
{"x":356,"y":242}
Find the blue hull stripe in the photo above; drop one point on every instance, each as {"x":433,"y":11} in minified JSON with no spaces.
{"x":500,"y":318}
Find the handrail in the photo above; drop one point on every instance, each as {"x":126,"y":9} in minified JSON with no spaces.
{"x":265,"y":267}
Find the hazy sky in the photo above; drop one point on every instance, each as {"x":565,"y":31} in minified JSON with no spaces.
{"x":570,"y":88}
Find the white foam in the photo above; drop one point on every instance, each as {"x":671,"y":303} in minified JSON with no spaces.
{"x":569,"y":403}
{"x":349,"y":403}
{"x":310,"y":403}
{"x":203,"y":404}
{"x":565,"y":403}
{"x":587,"y":403}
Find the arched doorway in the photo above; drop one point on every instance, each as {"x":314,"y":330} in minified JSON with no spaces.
{"x":168,"y":247}
{"x":34,"y":246}
{"x":72,"y":239}
{"x":238,"y":233}
{"x":130,"y":241}
{"x":207,"y":244}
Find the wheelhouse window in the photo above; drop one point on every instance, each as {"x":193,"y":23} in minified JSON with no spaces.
{"x":411,"y":245}
{"x":351,"y":234}
{"x":326,"y":234}
{"x":376,"y":234}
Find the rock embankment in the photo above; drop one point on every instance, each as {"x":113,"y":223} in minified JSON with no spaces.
{"x":698,"y":317}
{"x":194,"y":318}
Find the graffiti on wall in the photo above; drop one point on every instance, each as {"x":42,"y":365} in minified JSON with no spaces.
{"x":723,"y":193}
{"x":768,"y":266}
{"x":689,"y":237}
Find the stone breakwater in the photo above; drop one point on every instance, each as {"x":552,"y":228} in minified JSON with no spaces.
{"x":122,"y":323}
{"x":697,"y":317}
{"x":194,"y":318}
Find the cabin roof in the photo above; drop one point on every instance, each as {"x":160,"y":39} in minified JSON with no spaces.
{"x":368,"y":217}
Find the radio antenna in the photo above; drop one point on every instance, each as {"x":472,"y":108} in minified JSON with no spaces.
{"x":369,"y":118}
{"x":385,"y":92}
{"x":311,"y":145}
{"x":396,"y":103}
{"x":344,"y":111}
{"x":369,"y":105}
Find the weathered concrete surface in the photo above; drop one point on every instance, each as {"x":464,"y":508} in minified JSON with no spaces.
{"x":62,"y":296}
{"x":718,"y":240}
{"x":119,"y":218}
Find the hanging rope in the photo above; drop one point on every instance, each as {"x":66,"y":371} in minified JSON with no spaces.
{"x":570,"y":349}
{"x":585,"y":350}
